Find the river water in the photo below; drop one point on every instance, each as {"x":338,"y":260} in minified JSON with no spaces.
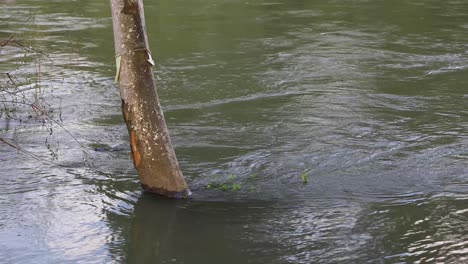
{"x":366,"y":98}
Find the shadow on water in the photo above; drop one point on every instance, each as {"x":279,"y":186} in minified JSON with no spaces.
{"x":247,"y":231}
{"x":168,"y":231}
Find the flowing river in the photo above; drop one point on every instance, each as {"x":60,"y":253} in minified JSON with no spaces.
{"x":364,"y":100}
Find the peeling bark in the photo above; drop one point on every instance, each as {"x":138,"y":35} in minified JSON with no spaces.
{"x":152,"y":151}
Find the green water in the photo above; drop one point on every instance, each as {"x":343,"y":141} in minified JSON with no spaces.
{"x":368,"y":97}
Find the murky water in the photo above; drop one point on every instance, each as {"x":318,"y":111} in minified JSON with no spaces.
{"x":367,"y":97}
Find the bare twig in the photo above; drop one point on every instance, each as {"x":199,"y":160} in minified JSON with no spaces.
{"x":41,"y":112}
{"x":20,"y":149}
{"x":8,"y":40}
{"x":6,"y":19}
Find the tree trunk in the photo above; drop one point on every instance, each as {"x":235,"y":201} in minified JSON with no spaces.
{"x":152,"y":152}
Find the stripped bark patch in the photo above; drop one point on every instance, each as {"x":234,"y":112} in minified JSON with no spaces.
{"x":135,"y":153}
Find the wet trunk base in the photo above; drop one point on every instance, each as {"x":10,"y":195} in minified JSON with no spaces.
{"x":163,"y":192}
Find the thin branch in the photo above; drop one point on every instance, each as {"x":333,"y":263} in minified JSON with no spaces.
{"x":17,"y":147}
{"x":32,"y":50}
{"x":11,"y":79}
{"x":40,"y":112}
{"x":8,"y":40}
{"x":6,"y":19}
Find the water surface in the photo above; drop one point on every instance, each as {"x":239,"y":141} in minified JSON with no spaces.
{"x":367,"y":98}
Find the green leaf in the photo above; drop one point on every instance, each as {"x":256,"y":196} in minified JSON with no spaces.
{"x":118,"y":60}
{"x":304,"y":177}
{"x":236,"y":187}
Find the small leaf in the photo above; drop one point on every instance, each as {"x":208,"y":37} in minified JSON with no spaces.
{"x":150,"y":59}
{"x":118,"y":59}
{"x":304,"y":177}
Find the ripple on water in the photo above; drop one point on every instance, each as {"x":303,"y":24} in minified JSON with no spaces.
{"x":431,"y":229}
{"x":368,"y":98}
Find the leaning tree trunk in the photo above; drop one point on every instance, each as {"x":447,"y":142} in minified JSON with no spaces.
{"x":153,"y":155}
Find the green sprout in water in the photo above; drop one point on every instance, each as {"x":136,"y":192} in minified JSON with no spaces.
{"x":252,"y":176}
{"x":229,"y":185}
{"x":304,"y":177}
{"x":231,"y":177}
{"x":236,"y":187}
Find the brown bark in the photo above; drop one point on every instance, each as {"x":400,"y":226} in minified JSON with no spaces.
{"x":153,"y":155}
